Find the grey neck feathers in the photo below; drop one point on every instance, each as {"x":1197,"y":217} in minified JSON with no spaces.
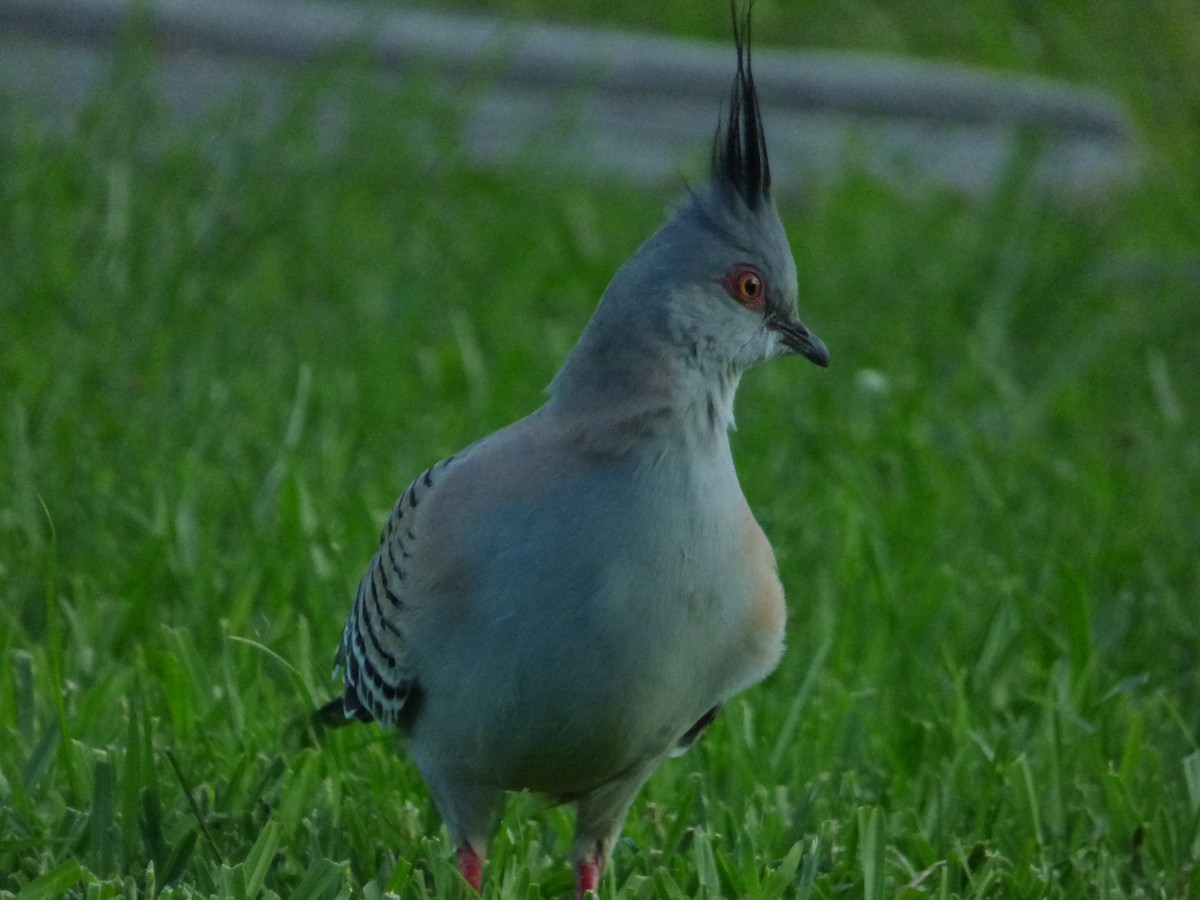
{"x":647,"y":361}
{"x":618,"y":387}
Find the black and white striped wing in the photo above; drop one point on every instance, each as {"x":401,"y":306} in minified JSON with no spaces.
{"x":374,"y":655}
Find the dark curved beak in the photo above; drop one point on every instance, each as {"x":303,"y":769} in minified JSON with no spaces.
{"x":797,"y":338}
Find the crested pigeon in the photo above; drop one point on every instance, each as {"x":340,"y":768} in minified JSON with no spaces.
{"x":568,"y":601}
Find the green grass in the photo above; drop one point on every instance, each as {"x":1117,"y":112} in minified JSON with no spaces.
{"x":220,"y":360}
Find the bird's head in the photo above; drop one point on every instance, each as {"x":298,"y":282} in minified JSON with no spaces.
{"x":716,"y":285}
{"x":734,"y":272}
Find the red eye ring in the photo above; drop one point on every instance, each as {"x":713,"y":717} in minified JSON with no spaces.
{"x":746,"y":285}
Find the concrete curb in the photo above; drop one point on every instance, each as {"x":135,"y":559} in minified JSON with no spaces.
{"x":639,"y":105}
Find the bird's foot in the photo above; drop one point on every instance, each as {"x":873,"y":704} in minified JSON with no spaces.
{"x":470,"y":866}
{"x":587,"y":878}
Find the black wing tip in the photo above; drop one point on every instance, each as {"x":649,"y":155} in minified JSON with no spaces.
{"x":700,"y":726}
{"x":341,"y":711}
{"x":740,"y":147}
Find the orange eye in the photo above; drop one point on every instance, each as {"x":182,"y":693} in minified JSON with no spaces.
{"x":745,"y":285}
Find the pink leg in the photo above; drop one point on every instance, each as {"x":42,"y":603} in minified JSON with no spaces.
{"x":470,"y":866}
{"x":587,"y":878}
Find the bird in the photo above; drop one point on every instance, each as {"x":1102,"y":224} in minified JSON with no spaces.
{"x":567,"y":602}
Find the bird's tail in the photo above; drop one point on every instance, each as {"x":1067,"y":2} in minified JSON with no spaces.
{"x":341,"y":711}
{"x":332,"y":715}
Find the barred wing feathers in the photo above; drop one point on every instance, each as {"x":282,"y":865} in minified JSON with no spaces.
{"x":374,"y":654}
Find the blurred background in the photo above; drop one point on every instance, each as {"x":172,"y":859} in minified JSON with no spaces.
{"x":260,"y":263}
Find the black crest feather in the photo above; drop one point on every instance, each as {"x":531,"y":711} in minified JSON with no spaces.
{"x":740,"y":148}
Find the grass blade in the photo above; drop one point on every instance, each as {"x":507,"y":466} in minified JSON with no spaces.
{"x":103,"y":826}
{"x":54,"y":884}
{"x":787,"y":732}
{"x":318,"y":880}
{"x":258,"y":860}
{"x":871,"y":846}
